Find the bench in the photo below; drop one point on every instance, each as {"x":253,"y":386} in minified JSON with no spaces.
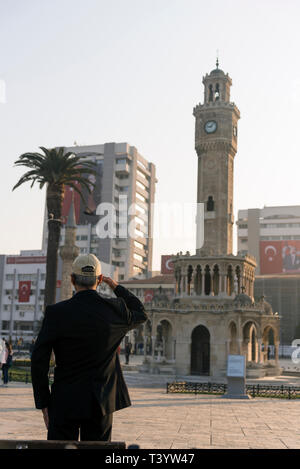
{"x":60,"y":444}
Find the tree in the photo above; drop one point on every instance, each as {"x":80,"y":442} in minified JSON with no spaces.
{"x":55,"y":169}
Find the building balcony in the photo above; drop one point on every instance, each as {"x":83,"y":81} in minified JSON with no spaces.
{"x":141,"y":252}
{"x":122,"y":168}
{"x":140,"y":264}
{"x":142,"y":192}
{"x":142,"y":180}
{"x":141,"y":240}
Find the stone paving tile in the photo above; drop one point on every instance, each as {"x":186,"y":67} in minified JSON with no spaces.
{"x":290,"y":443}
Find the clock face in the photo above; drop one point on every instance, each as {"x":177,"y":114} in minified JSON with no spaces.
{"x":210,"y":127}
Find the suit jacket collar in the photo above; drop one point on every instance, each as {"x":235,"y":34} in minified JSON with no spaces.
{"x":91,"y":293}
{"x":87,"y":292}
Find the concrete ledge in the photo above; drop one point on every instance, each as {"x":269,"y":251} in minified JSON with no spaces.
{"x":60,"y":444}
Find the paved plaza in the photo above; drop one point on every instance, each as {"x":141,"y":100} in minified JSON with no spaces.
{"x":178,"y":421}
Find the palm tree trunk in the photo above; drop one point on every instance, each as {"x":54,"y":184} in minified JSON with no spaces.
{"x":55,"y":195}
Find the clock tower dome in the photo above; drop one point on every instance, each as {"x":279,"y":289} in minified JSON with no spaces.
{"x":216,"y":146}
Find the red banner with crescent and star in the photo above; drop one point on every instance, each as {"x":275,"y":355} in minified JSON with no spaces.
{"x":24,"y":291}
{"x":148,"y":296}
{"x":167,"y":266}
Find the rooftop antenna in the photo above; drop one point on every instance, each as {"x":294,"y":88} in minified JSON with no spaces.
{"x":217,"y":61}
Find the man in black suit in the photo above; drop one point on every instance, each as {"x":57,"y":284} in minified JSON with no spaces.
{"x":84,"y":333}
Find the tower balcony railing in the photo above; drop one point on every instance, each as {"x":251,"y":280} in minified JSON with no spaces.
{"x":213,"y":307}
{"x":212,"y":104}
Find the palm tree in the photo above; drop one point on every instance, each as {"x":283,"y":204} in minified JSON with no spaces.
{"x":56,"y":169}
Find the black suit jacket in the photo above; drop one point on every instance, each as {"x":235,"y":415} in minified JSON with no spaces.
{"x":84,"y":332}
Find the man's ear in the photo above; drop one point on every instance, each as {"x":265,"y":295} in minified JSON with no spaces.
{"x":72,"y":280}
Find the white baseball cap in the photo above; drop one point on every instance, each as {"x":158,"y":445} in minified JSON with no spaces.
{"x":87,"y":265}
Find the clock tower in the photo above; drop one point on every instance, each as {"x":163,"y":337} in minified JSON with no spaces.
{"x":216,"y":146}
{"x":213,"y":313}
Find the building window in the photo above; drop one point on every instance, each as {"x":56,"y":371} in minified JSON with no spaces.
{"x":210,"y":204}
{"x":140,"y":209}
{"x":123,"y":176}
{"x":23,"y":325}
{"x":139,"y":184}
{"x":27,"y":277}
{"x":139,"y":196}
{"x":9,"y":277}
{"x":121,"y":161}
{"x":141,"y":174}
{"x":138,"y":245}
{"x":142,"y":164}
{"x":139,"y":233}
{"x":138,"y":257}
{"x":139,"y":221}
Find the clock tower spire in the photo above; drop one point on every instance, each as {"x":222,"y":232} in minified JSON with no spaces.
{"x":216,"y":146}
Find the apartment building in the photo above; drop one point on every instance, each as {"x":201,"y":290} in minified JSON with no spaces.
{"x":116,"y":220}
{"x":22,"y":288}
{"x":272,"y":236}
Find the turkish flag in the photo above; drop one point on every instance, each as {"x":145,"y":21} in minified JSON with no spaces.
{"x":167,"y":266}
{"x":24,"y":291}
{"x":148,"y":296}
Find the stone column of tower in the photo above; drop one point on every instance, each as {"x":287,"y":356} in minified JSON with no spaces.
{"x":68,"y":253}
{"x":216,"y":146}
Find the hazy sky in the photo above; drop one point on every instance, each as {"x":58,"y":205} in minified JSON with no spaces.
{"x":95,"y":71}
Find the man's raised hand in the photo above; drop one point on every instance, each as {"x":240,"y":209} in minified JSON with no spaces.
{"x":110,"y":282}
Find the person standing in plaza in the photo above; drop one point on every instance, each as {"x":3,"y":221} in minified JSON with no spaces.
{"x":128,"y":347}
{"x":6,"y":362}
{"x":84,"y":332}
{"x":31,"y":347}
{"x":2,"y":349}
